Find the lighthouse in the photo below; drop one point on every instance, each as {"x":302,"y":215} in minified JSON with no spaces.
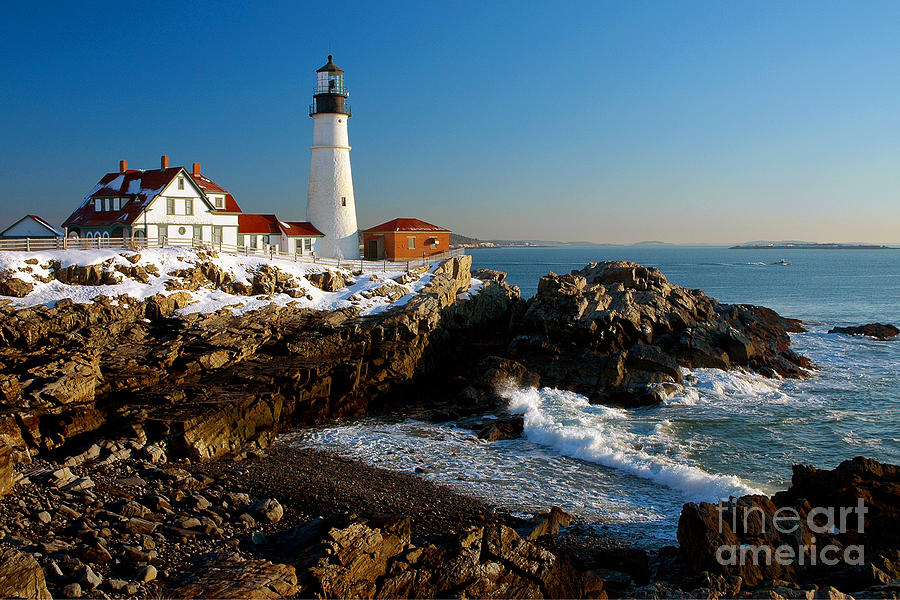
{"x":330,"y":205}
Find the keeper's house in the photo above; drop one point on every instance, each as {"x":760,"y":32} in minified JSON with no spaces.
{"x":403,"y":239}
{"x":290,"y":237}
{"x":168,"y":204}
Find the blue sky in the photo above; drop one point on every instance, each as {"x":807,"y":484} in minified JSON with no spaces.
{"x":611,"y":122}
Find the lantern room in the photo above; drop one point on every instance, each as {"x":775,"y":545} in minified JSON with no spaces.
{"x":330,"y":95}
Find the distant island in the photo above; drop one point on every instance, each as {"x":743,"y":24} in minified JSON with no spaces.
{"x":809,"y":246}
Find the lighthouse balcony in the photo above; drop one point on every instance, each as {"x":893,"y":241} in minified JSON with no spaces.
{"x":339,"y":89}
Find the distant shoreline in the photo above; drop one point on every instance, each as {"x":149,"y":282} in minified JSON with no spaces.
{"x":814,"y":247}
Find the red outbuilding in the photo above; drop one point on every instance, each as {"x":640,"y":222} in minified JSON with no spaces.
{"x":404,"y":239}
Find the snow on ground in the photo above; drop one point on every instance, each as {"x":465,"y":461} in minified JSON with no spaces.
{"x":204,"y":300}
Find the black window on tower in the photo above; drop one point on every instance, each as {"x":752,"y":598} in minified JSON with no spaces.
{"x":343,"y":200}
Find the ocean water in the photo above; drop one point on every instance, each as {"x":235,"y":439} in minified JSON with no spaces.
{"x":730,"y":433}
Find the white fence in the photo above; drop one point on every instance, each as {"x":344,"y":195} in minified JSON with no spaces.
{"x":271,"y":252}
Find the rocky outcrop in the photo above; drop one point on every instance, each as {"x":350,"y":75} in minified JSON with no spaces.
{"x":619,"y":332}
{"x":379,"y":560}
{"x":879,"y":331}
{"x":205,"y":384}
{"x":230,"y":575}
{"x":838,"y":527}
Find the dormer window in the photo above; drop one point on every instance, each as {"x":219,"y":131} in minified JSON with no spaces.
{"x":220,"y":202}
{"x":181,"y":183}
{"x":98,"y":204}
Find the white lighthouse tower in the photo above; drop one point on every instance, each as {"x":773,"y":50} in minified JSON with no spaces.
{"x":330,"y":206}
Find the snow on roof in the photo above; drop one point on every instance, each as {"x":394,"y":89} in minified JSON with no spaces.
{"x":140,"y":188}
{"x":404,"y":224}
{"x":300,"y":229}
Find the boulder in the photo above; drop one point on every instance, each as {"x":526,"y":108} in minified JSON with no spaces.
{"x":879,"y":331}
{"x":269,"y":510}
{"x":228,"y":575}
{"x":21,"y":576}
{"x":10,"y":286}
{"x":546,"y":523}
{"x":327,"y":281}
{"x":508,"y":427}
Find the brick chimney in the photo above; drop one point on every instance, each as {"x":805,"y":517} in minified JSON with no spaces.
{"x":196,"y":170}
{"x":123,"y":166}
{"x":164,"y":162}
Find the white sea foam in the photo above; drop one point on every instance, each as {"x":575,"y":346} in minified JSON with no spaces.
{"x":566,"y":422}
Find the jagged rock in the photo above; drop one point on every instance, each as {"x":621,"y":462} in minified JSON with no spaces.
{"x":231,"y":576}
{"x":879,"y":331}
{"x":89,"y":580}
{"x":508,"y":427}
{"x":619,"y":332}
{"x":707,"y":533}
{"x":11,"y":286}
{"x":327,"y":281}
{"x":72,"y":590}
{"x":548,"y":523}
{"x":21,"y":576}
{"x":7,"y":473}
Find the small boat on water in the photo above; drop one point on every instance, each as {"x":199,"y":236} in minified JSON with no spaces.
{"x":782,"y":262}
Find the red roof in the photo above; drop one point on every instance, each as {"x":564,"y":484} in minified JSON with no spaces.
{"x":269,"y":224}
{"x":139,"y":187}
{"x":211,"y":187}
{"x":300,"y":228}
{"x":405,"y":224}
{"x":258,"y":224}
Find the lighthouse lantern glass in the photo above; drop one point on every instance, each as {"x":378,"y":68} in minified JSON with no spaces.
{"x":330,"y":83}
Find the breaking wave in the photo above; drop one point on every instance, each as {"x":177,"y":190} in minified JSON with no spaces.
{"x":568,"y":423}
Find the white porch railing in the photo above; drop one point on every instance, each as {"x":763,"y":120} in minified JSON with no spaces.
{"x":271,"y":252}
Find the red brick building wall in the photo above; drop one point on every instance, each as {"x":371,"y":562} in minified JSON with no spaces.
{"x":395,"y":245}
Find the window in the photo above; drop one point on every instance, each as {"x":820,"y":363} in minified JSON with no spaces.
{"x":188,"y":206}
{"x":411,"y":243}
{"x":181,"y":231}
{"x":170,"y":206}
{"x":253,"y":241}
{"x":181,"y":183}
{"x":98,"y":204}
{"x":343,"y":200}
{"x":220,"y":202}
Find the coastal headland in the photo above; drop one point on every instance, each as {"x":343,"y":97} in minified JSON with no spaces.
{"x":139,"y":453}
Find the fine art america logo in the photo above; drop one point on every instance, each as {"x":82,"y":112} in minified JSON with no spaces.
{"x":787,"y":521}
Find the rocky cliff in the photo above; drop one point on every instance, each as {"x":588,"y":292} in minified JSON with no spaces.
{"x":203,"y":384}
